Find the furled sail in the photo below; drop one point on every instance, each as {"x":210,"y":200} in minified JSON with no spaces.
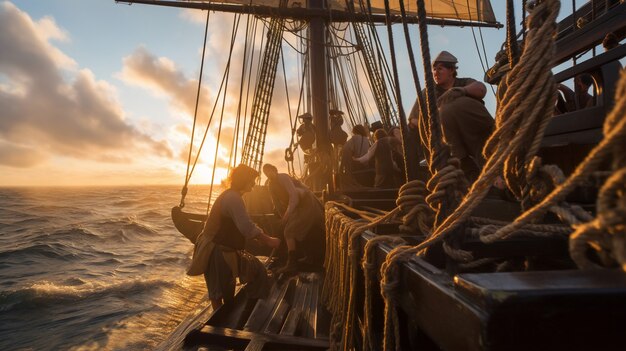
{"x":463,"y":10}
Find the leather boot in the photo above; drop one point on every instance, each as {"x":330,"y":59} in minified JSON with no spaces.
{"x":291,"y":266}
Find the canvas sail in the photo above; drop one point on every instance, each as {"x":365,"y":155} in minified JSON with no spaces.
{"x":465,"y":10}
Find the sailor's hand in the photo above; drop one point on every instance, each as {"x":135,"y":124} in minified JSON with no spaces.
{"x":274,"y":243}
{"x":450,"y":95}
{"x":270,"y":241}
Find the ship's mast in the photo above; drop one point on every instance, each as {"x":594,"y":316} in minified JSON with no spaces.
{"x":319,"y":85}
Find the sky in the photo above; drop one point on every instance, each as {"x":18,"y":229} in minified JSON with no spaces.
{"x":93,"y":92}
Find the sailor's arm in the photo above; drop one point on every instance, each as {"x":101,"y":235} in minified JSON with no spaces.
{"x":368,"y":156}
{"x":233,"y":207}
{"x":294,"y":199}
{"x":476,"y":90}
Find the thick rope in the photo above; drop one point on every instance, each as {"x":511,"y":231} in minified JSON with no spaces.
{"x":369,"y":272}
{"x":341,"y":264}
{"x":614,"y":134}
{"x":417,"y":215}
{"x":607,"y":232}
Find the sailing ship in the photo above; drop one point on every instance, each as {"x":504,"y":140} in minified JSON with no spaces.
{"x":440,"y":265}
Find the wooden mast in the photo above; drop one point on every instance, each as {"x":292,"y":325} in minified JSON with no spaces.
{"x":319,"y":89}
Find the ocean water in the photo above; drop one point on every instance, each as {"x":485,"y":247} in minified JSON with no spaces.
{"x":94,"y":268}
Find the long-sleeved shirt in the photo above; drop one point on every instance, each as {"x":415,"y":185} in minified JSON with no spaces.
{"x":357,"y":146}
{"x":387,"y":172}
{"x":286,"y":193}
{"x":232,"y":206}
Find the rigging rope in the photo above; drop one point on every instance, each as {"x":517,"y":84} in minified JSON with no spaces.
{"x":255,"y":139}
{"x":236,"y":19}
{"x":233,"y":155}
{"x":195,"y":114}
{"x":605,"y":230}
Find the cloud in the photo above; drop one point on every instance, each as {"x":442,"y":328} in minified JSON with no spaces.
{"x":194,"y":15}
{"x":163,"y":77}
{"x":19,"y":156}
{"x":44,"y":114}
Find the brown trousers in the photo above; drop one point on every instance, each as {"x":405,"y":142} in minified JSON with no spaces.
{"x":466,"y":124}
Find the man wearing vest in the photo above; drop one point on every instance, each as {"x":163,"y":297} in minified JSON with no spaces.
{"x":302,"y":217}
{"x":465,"y":122}
{"x":219,"y":250}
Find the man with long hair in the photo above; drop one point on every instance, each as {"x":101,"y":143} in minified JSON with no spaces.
{"x":219,"y":250}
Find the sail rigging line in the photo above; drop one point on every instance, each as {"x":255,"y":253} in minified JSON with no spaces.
{"x":367,"y":103}
{"x":236,"y":19}
{"x":410,"y":168}
{"x":195,"y":113}
{"x":255,"y":139}
{"x":442,"y":167}
{"x":224,"y":76}
{"x":233,"y":159}
{"x":362,"y":103}
{"x":374,"y":70}
{"x":301,"y":98}
{"x":252,"y":55}
{"x":480,"y":57}
{"x":291,"y":119}
{"x":396,"y":81}
{"x":611,"y":144}
{"x":350,"y":104}
{"x":511,"y":34}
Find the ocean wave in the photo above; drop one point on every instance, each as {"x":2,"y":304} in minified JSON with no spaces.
{"x":53,"y":250}
{"x":55,"y":209}
{"x":126,"y":203}
{"x":76,"y":232}
{"x":29,"y":222}
{"x":46,"y":293}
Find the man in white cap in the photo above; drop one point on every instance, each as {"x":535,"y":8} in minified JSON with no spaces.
{"x":465,"y":122}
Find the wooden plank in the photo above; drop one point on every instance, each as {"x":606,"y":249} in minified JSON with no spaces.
{"x":591,"y":34}
{"x":256,"y":344}
{"x":275,"y":323}
{"x":293,"y":318}
{"x":291,"y":323}
{"x":568,"y":309}
{"x":519,"y":246}
{"x":306,"y":329}
{"x":591,"y":64}
{"x":260,"y":318}
{"x":311,"y":321}
{"x":544,"y":282}
{"x":240,"y":339}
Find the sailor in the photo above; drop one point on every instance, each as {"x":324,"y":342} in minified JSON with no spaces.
{"x":350,"y":171}
{"x":387,"y":171}
{"x":306,"y":132}
{"x":302,"y":218}
{"x":337,"y":135}
{"x":396,"y":151}
{"x":219,"y":250}
{"x":582,"y":83}
{"x":465,"y":122}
